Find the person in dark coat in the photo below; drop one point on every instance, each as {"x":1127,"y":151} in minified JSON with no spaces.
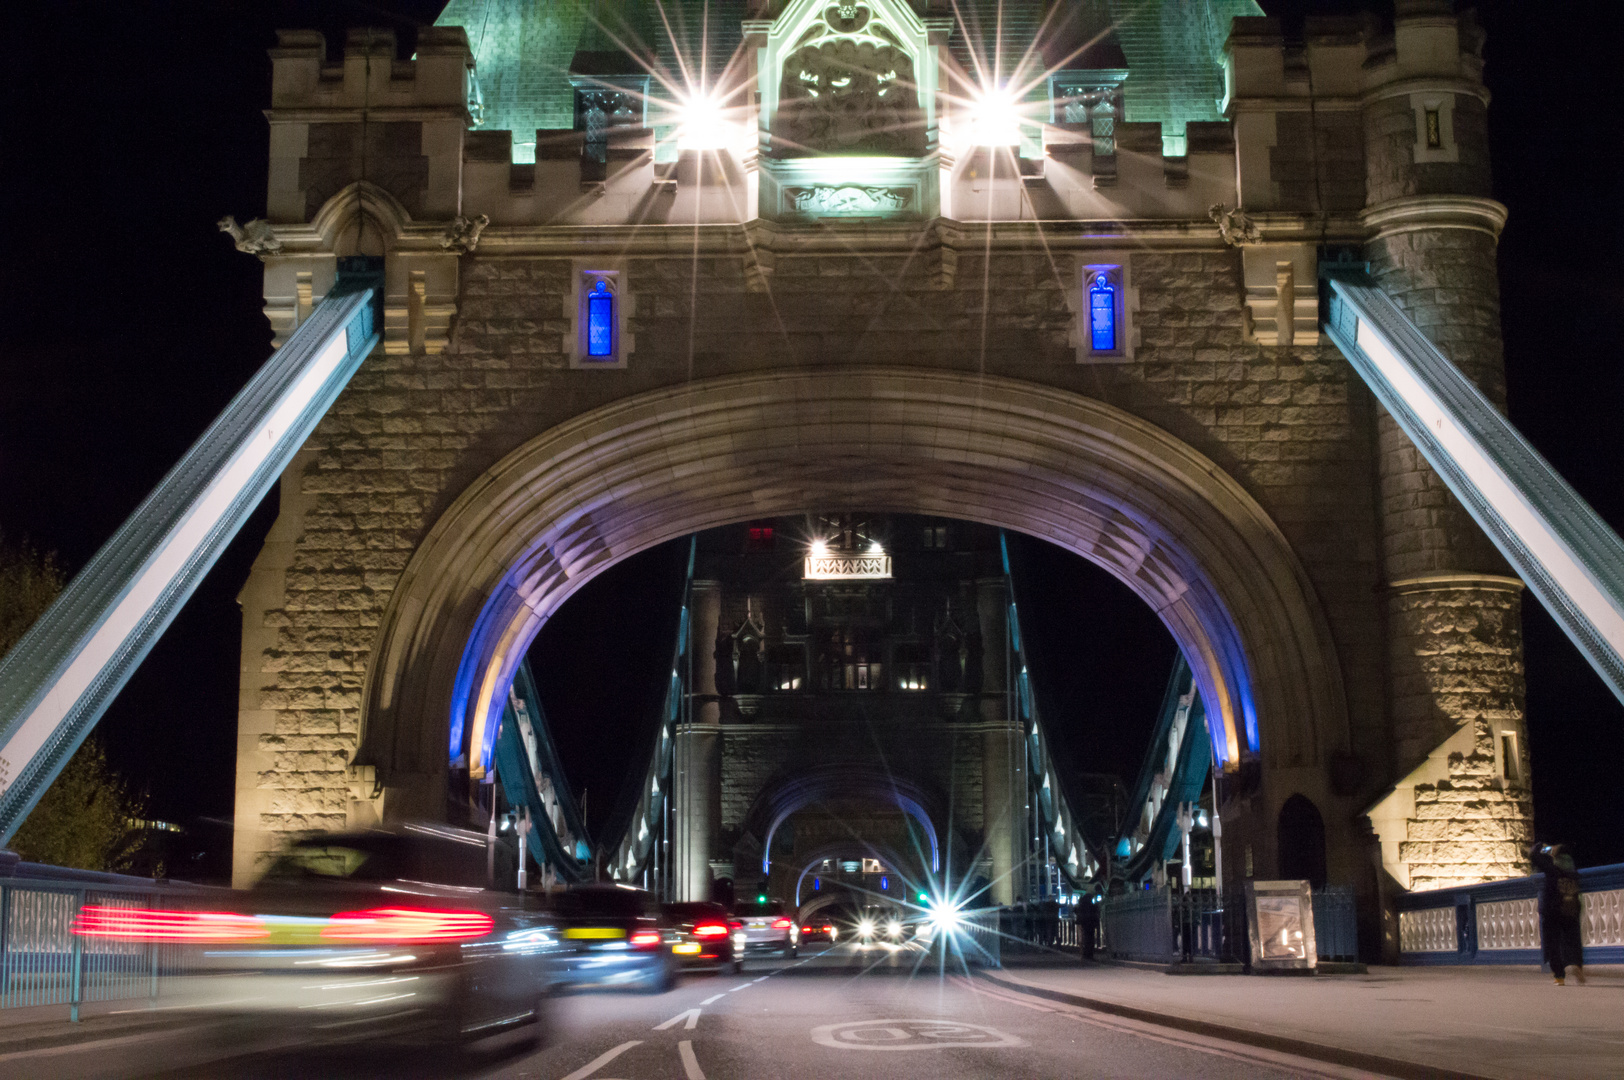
{"x":1559,"y":907}
{"x":1088,"y":924}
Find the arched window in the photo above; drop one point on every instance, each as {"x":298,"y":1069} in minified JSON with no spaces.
{"x":600,"y":320}
{"x":1102,"y":314}
{"x":1302,"y":842}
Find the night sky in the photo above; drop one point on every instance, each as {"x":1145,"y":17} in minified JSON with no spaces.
{"x":127,"y":322}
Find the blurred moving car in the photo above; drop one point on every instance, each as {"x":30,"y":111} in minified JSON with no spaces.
{"x":767,"y":929}
{"x":880,"y":925}
{"x":819,"y":928}
{"x":705,"y":935}
{"x":614,"y":936}
{"x":384,"y":933}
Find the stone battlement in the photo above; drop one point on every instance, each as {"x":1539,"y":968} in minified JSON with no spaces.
{"x":369,"y":77}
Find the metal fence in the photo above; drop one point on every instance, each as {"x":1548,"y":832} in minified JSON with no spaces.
{"x":1498,"y":922}
{"x":1167,"y":926}
{"x":1336,"y":923}
{"x":42,"y":962}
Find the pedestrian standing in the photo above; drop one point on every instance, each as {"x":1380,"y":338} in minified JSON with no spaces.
{"x":1559,"y":907}
{"x":1088,"y":923}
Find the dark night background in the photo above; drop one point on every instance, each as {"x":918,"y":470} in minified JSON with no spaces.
{"x":127,"y":322}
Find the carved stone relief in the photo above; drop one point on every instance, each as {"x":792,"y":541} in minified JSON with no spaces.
{"x":849,"y":199}
{"x":849,"y":89}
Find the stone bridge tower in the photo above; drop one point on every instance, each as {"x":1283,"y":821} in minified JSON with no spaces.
{"x":625,"y":304}
{"x":857,"y":706}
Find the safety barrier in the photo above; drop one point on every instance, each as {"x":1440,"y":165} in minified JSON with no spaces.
{"x":1498,"y":922}
{"x":42,"y":962}
{"x":1169,"y":926}
{"x":1336,"y":923}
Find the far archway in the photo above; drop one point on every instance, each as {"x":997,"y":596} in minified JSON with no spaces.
{"x":1302,"y":842}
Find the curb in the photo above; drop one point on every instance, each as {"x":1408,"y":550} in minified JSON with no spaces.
{"x":1332,"y":1055}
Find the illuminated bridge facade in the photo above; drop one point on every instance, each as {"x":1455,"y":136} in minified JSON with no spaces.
{"x":645,"y":276}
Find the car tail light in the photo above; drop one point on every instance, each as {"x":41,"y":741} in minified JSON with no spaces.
{"x":710,"y":930}
{"x":645,"y":939}
{"x":828,"y":929}
{"x":806,"y":929}
{"x":406,"y":925}
{"x":782,"y":924}
{"x":147,"y":924}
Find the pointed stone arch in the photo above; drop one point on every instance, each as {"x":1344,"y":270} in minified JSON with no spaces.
{"x":1145,"y":506}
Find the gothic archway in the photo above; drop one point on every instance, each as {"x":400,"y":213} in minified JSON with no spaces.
{"x":1148,"y":508}
{"x":1301,"y":839}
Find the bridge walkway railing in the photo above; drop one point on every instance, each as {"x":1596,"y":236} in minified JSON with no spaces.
{"x":1498,"y":922}
{"x":43,"y":963}
{"x":1170,"y":926}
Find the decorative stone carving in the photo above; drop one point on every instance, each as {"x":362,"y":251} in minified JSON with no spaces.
{"x":255,"y":238}
{"x":1282,"y":294}
{"x":1234,"y":225}
{"x":849,"y":89}
{"x":462,"y":234}
{"x":848,"y":199}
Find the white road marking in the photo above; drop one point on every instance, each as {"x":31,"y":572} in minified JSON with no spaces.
{"x":692,"y":1016}
{"x":601,"y":1060}
{"x":690,"y":1064}
{"x":714,"y":997}
{"x":741,"y":986}
{"x":911,"y":1035}
{"x":762,"y":979}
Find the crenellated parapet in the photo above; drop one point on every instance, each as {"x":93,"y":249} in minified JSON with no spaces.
{"x":398,"y":124}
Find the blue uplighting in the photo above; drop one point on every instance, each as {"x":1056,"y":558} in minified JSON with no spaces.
{"x":1102,"y":314}
{"x":600,"y":320}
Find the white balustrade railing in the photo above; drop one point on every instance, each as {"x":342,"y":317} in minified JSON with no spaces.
{"x":1428,"y":930}
{"x":1507,"y":924}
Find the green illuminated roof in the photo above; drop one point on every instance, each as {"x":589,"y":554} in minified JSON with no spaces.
{"x":524,"y":49}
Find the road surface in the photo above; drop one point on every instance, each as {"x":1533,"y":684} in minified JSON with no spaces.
{"x":846,"y":1011}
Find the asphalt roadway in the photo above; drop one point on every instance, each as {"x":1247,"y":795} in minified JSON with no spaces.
{"x":847,"y":1011}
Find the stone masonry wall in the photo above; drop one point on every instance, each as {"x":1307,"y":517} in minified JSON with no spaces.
{"x":1472,"y":827}
{"x":1293,"y":426}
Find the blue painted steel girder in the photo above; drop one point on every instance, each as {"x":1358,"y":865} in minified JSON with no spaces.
{"x":1557,"y":544}
{"x":59,"y":679}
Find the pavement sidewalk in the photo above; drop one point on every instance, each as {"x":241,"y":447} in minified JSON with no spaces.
{"x":1505,"y":1023}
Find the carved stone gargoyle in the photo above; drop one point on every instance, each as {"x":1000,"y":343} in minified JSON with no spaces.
{"x":255,"y":238}
{"x":462,"y":235}
{"x":1233,"y":225}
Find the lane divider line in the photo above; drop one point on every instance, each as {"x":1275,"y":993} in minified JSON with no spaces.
{"x":741,"y":986}
{"x":690,"y":1064}
{"x":714,"y":997}
{"x":764,"y":978}
{"x":602,"y":1059}
{"x":691,"y":1015}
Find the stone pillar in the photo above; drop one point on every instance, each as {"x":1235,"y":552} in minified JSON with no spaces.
{"x":1454,"y":636}
{"x":1003,"y":791}
{"x":992,"y":612}
{"x":1002,"y":801}
{"x":697,"y":794}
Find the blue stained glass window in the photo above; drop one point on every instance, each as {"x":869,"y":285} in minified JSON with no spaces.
{"x":600,"y":320}
{"x":1102,"y":314}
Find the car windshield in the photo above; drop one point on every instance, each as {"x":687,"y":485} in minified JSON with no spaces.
{"x":770,"y":907}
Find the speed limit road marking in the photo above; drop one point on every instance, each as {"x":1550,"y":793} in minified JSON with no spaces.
{"x":910,"y":1035}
